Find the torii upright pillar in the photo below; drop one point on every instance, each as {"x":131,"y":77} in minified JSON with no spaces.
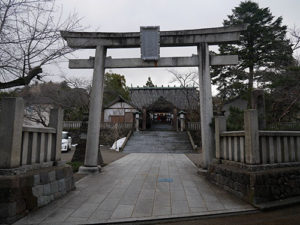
{"x":96,"y":99}
{"x":206,"y":106}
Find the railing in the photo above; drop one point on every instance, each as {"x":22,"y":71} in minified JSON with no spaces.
{"x":255,"y":147}
{"x":72,"y":124}
{"x":25,"y":146}
{"x":232,"y":146}
{"x":193,"y":125}
{"x":104,"y":125}
{"x":279,"y":146}
{"x":285,"y":126}
{"x":108,"y":125}
{"x":38,"y":145}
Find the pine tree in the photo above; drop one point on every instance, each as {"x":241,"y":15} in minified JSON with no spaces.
{"x":263,"y":47}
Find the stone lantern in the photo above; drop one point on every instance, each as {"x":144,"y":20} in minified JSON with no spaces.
{"x":182,"y":120}
{"x":137,"y":120}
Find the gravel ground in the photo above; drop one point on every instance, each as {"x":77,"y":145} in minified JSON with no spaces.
{"x":108,"y":156}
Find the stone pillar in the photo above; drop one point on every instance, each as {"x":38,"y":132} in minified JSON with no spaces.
{"x":56,"y":121}
{"x":144,"y":124}
{"x":220,"y":126}
{"x":258,"y":103}
{"x":206,"y":108}
{"x":96,"y":99}
{"x":251,"y":137}
{"x":175,"y":122}
{"x":11,"y":125}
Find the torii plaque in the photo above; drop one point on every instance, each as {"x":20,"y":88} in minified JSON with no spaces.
{"x":100,"y":41}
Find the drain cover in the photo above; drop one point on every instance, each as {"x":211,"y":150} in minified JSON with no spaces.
{"x":169,"y":180}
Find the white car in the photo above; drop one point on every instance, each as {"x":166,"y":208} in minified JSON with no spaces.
{"x":66,"y":142}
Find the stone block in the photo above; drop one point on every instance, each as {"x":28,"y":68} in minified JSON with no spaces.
{"x":68,"y":172}
{"x":20,"y":206}
{"x":54,"y":187}
{"x":9,"y":181}
{"x":51,"y":197}
{"x":36,"y":179}
{"x":43,"y":200}
{"x":47,"y":189}
{"x":61,"y":185}
{"x":59,"y":173}
{"x":51,"y":175}
{"x":8,"y":209}
{"x":44,"y":178}
{"x":26,"y":181}
{"x":38,"y":190}
{"x":57,"y":195}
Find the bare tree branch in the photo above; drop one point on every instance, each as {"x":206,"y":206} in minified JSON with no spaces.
{"x":30,"y":38}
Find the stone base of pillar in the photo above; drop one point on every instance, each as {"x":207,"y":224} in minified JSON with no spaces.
{"x":89,"y":169}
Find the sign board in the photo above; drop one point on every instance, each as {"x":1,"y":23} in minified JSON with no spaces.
{"x":150,"y":38}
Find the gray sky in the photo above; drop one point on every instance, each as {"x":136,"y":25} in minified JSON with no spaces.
{"x":129,"y":15}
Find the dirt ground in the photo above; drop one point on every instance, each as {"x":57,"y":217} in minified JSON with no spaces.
{"x":107,"y":154}
{"x":195,"y":158}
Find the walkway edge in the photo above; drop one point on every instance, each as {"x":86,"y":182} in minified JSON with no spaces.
{"x":168,"y":219}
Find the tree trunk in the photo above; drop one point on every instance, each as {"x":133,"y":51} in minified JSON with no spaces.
{"x":250,"y":84}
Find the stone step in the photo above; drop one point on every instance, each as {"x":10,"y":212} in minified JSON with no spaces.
{"x":158,"y":142}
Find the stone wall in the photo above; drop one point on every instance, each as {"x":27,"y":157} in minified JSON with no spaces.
{"x":24,"y":192}
{"x":257,"y":185}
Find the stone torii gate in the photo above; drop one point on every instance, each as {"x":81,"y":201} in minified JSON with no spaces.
{"x":100,"y":41}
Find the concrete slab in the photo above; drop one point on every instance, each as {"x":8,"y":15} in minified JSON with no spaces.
{"x":139,"y":186}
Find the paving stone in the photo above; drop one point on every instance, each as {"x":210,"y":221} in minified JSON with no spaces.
{"x":100,"y":215}
{"x":143,"y":208}
{"x":132,"y":187}
{"x":59,"y":215}
{"x":160,"y":210}
{"x":147,"y":194}
{"x":109,"y":204}
{"x":85,"y":210}
{"x":198,"y":209}
{"x":180,"y":207}
{"x":122,"y":211}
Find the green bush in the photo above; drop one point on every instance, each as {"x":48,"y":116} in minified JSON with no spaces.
{"x":235,"y":120}
{"x":75,"y":165}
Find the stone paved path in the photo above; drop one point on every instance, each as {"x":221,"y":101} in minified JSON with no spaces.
{"x":137,"y":187}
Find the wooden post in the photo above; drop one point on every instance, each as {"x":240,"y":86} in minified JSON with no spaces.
{"x":11,"y":124}
{"x":220,"y":126}
{"x":251,"y":137}
{"x":175,"y":122}
{"x":56,"y":121}
{"x":144,"y":123}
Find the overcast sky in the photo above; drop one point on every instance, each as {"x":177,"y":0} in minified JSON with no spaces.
{"x":129,"y":15}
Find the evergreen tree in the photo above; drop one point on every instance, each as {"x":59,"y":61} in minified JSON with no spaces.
{"x":263,"y":47}
{"x":149,"y":82}
{"x":114,"y":85}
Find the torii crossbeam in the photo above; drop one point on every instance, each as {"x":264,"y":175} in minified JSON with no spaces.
{"x":101,"y":41}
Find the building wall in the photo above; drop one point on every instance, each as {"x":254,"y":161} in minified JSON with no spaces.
{"x":119,"y":109}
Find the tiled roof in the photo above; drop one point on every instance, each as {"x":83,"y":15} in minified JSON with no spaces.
{"x":182,"y":97}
